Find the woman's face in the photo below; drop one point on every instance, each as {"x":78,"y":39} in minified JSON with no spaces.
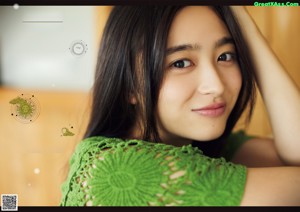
{"x":202,"y":78}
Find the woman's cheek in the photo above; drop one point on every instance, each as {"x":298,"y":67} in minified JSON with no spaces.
{"x":234,"y":79}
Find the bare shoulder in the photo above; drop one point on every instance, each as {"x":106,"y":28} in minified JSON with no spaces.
{"x":258,"y":152}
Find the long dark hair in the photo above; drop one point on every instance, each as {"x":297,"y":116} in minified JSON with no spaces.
{"x":130,"y":63}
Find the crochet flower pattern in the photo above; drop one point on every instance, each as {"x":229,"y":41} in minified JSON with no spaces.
{"x":126,"y":179}
{"x":114,"y":172}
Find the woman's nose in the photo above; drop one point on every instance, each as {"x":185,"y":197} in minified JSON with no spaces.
{"x":210,"y":81}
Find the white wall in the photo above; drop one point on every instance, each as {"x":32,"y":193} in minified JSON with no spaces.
{"x":35,"y":42}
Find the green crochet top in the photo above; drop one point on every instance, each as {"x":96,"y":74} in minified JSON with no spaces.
{"x":114,"y":172}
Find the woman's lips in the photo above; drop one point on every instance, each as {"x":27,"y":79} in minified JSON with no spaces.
{"x":213,"y":110}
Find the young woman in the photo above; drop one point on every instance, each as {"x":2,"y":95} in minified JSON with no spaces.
{"x":171,"y":83}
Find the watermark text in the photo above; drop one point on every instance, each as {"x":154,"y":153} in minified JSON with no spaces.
{"x":276,"y":4}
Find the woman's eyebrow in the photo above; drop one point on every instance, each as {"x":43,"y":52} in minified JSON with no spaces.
{"x":183,"y":47}
{"x":191,"y":47}
{"x":223,"y":41}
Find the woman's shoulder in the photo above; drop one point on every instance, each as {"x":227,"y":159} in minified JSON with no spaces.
{"x":234,"y":142}
{"x":101,"y":143}
{"x":98,"y":145}
{"x":251,"y":150}
{"x":115,"y":172}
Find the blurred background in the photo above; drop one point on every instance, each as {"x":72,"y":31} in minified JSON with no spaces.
{"x":47,"y":57}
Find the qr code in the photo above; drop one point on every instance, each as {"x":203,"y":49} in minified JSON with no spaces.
{"x":9,"y":202}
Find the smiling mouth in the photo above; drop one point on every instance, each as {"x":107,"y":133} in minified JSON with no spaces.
{"x":214,"y":110}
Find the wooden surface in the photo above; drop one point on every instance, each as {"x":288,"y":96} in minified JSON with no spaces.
{"x":34,"y":156}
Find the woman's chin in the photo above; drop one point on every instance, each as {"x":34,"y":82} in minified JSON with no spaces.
{"x":207,"y":136}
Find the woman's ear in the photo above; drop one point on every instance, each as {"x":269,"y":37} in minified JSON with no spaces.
{"x":132,"y":99}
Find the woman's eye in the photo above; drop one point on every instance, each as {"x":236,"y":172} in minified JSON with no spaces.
{"x":181,"y":64}
{"x":226,"y":57}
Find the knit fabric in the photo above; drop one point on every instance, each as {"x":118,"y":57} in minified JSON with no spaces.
{"x":114,"y":172}
{"x":233,"y":143}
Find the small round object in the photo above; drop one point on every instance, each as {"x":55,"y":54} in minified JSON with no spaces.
{"x":25,"y":108}
{"x":78,"y":48}
{"x":16,"y":6}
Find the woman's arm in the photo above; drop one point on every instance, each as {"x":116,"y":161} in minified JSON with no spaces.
{"x":280,"y":94}
{"x":278,"y":186}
